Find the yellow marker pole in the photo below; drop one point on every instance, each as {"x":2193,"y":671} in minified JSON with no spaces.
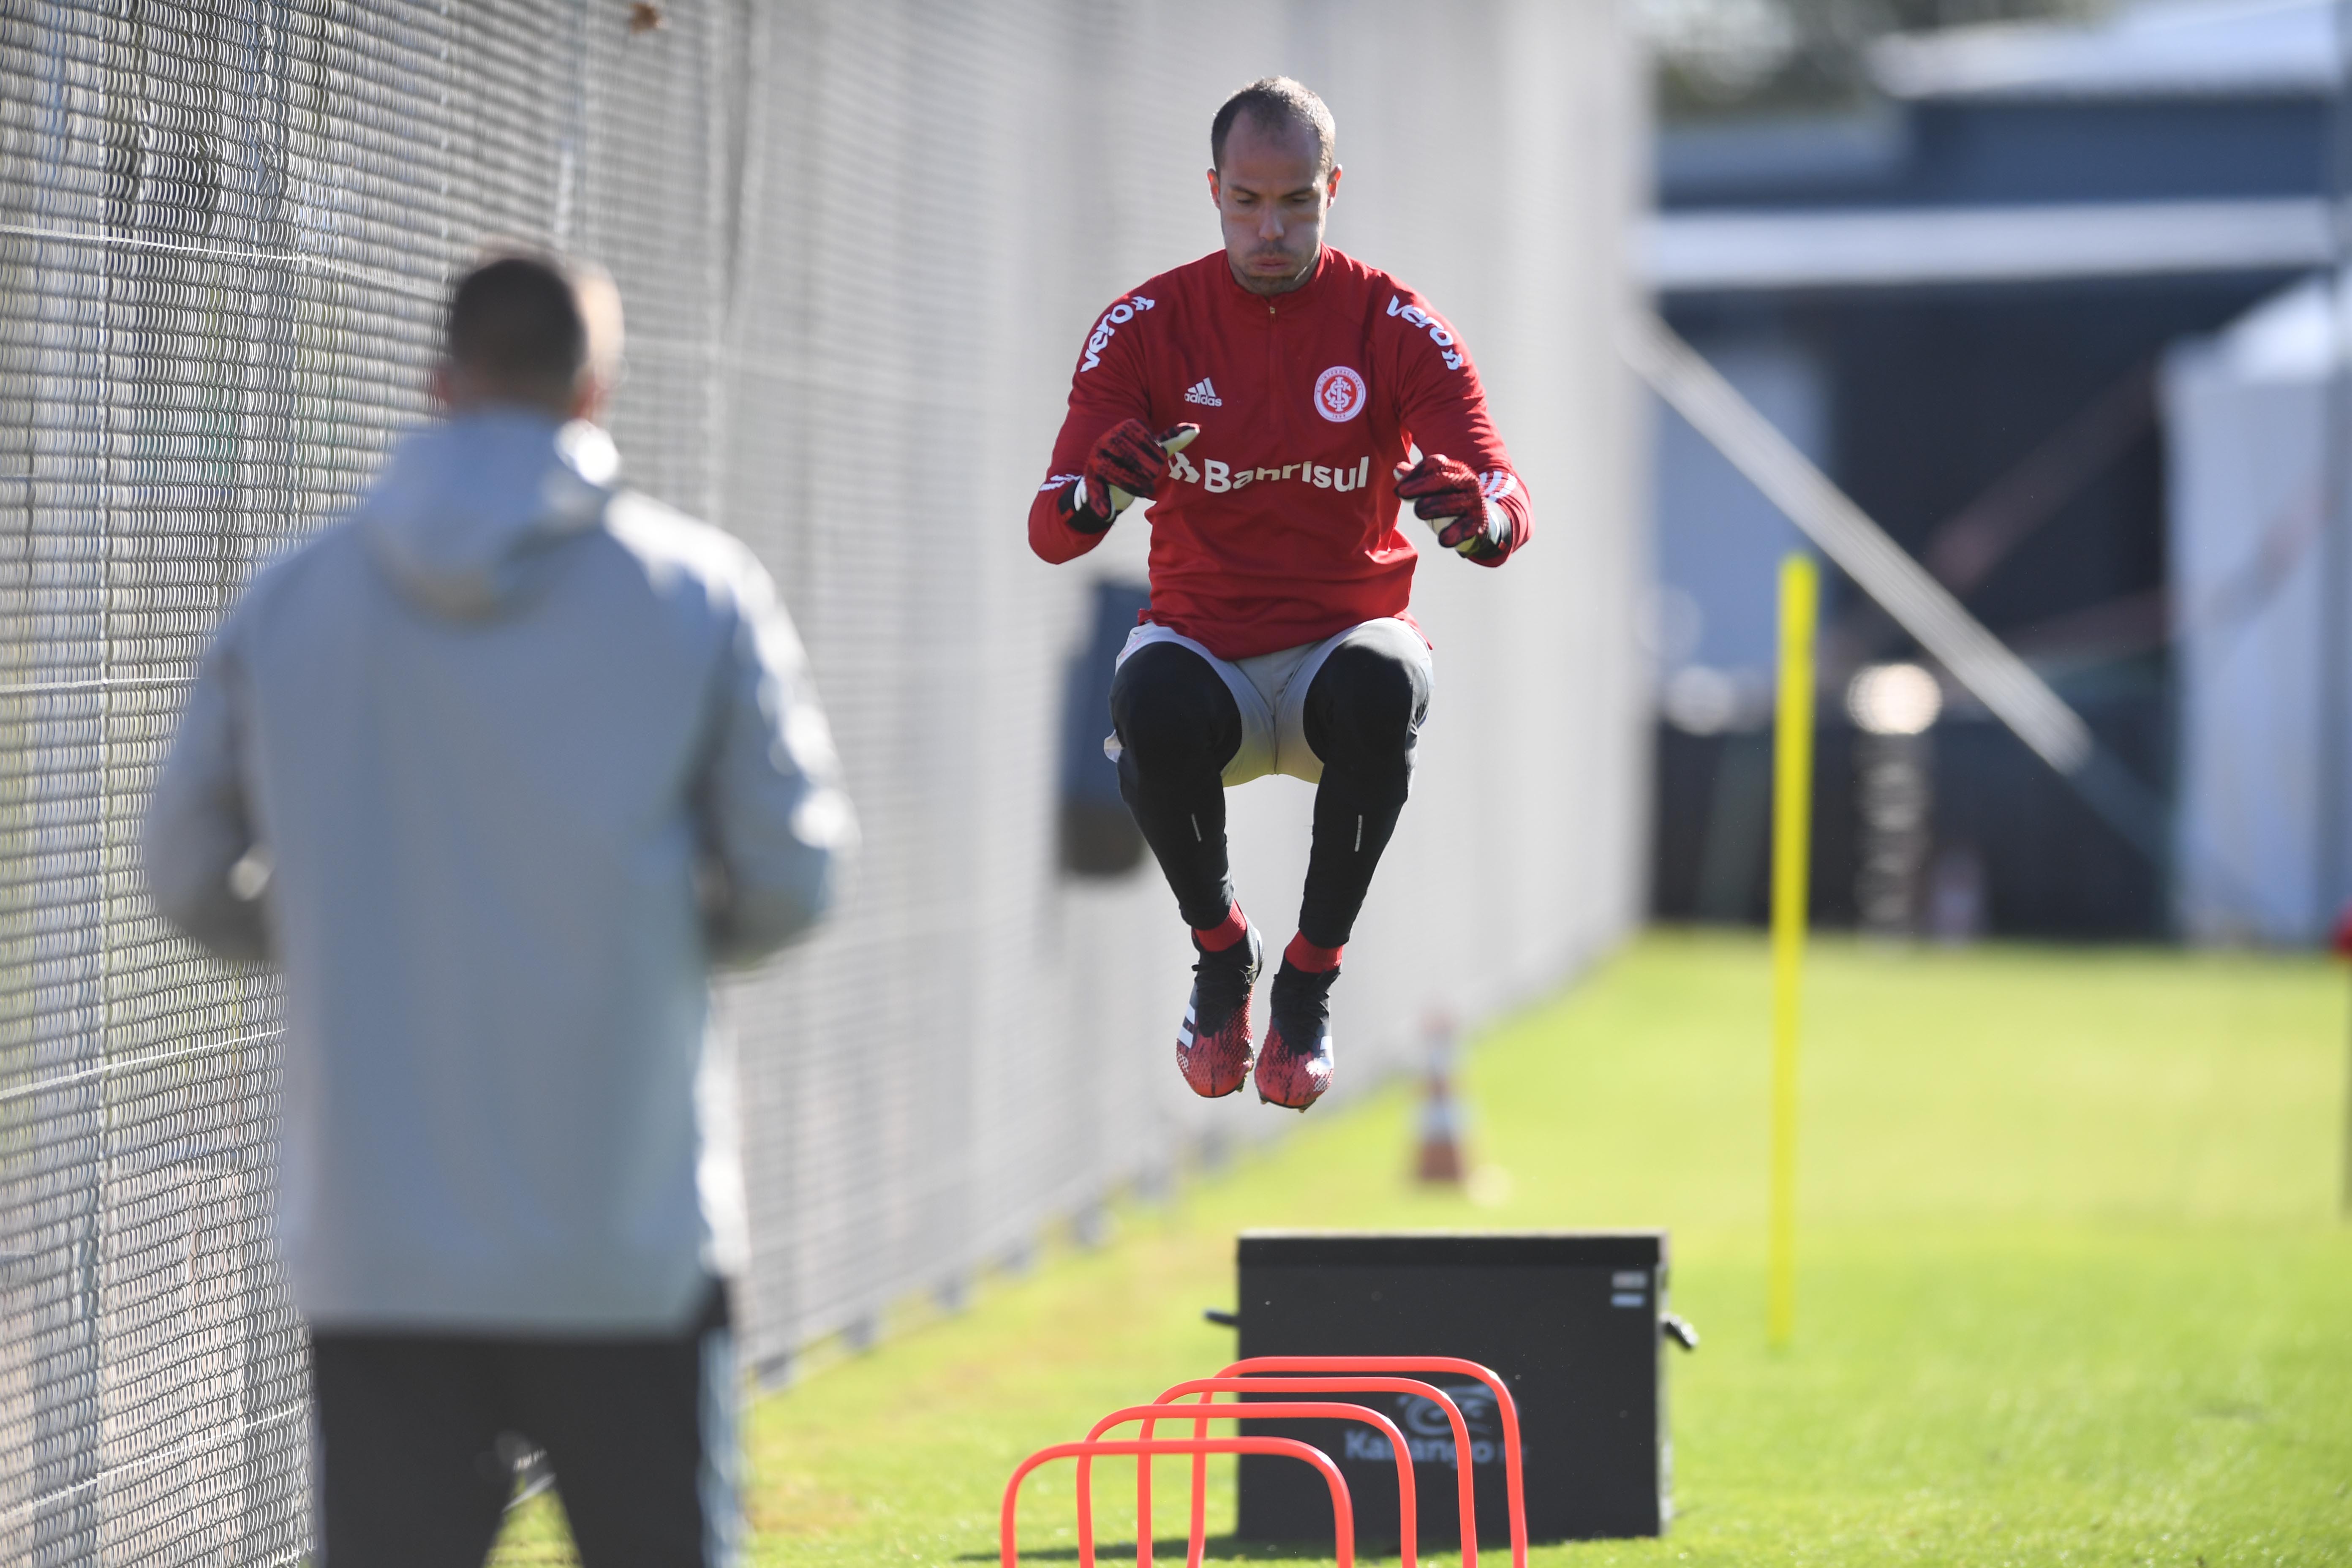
{"x":1792,"y":804}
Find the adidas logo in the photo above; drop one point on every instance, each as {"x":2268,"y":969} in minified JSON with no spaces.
{"x":1201,"y":392}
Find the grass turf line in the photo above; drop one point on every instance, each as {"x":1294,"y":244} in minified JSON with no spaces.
{"x":2071,"y":1288}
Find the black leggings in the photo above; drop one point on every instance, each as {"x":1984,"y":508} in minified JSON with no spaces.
{"x":1179,"y":726}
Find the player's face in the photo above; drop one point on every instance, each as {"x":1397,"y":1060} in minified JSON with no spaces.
{"x":1272,"y":197}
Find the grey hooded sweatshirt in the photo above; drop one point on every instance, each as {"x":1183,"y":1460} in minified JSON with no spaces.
{"x":496,"y":769}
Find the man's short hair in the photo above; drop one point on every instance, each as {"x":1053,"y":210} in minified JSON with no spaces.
{"x":516,"y":322}
{"x":1275,"y":101}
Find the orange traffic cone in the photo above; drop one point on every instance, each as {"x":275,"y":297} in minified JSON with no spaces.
{"x":1440,"y":1158}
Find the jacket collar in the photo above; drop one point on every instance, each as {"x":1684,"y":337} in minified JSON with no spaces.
{"x":1302,"y":298}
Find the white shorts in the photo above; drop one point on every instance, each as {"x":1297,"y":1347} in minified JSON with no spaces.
{"x":1271,"y":692}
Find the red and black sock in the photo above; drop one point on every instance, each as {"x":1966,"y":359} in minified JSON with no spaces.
{"x":1224,"y":934}
{"x":1307,"y":957}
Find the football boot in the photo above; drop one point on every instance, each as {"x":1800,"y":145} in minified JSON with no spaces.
{"x":1212,"y":1048}
{"x":1294,"y":1070}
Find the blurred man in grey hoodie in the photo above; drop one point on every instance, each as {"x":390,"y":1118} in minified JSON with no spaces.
{"x":496,"y":769}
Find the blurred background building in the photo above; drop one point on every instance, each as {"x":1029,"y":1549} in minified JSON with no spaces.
{"x":861,"y":243}
{"x":2033,"y":290}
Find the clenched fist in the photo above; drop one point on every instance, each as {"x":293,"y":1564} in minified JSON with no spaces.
{"x":1448,"y":495}
{"x":1126,"y":461}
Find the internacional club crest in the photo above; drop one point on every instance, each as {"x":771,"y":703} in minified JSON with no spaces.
{"x":1339,"y":395}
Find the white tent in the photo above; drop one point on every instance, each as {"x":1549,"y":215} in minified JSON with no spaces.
{"x":2245,"y":412}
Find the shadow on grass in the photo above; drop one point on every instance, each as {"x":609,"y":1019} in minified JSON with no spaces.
{"x":1173,"y":1548}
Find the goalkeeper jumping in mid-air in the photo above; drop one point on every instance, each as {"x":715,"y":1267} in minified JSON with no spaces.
{"x":1263,"y":398}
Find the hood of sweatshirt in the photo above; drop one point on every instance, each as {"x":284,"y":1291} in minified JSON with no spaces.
{"x":465,"y":507}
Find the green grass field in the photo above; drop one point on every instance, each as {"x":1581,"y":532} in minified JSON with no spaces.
{"x":2072,"y":1285}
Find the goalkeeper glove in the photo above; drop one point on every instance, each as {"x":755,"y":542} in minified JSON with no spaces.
{"x":1128,"y":461}
{"x":1448,"y":497}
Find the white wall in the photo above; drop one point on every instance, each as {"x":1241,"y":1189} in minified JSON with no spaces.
{"x":946,"y":207}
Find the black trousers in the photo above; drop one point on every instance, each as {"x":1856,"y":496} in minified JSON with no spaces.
{"x":640,"y":1432}
{"x":1177,"y":727}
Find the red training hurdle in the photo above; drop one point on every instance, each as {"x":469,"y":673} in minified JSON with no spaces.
{"x":1408,"y":1505}
{"x":1206,"y":1386}
{"x":1343,"y":1515}
{"x":1289,"y":1375}
{"x":1506,"y":1408}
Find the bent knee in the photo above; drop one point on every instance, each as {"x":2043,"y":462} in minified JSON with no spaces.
{"x":1172,"y":709}
{"x":1365,"y":702}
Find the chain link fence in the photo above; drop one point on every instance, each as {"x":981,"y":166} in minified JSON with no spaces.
{"x":859,"y":244}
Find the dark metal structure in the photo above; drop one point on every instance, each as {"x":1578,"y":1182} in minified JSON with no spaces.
{"x":1972,"y":286}
{"x":1572,"y":1322}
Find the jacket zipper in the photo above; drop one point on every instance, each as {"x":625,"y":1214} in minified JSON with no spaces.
{"x":1272,"y":391}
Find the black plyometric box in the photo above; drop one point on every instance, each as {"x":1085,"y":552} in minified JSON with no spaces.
{"x":1570,"y":1320}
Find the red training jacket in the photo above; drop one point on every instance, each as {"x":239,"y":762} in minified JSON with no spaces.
{"x":1277,"y":526}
